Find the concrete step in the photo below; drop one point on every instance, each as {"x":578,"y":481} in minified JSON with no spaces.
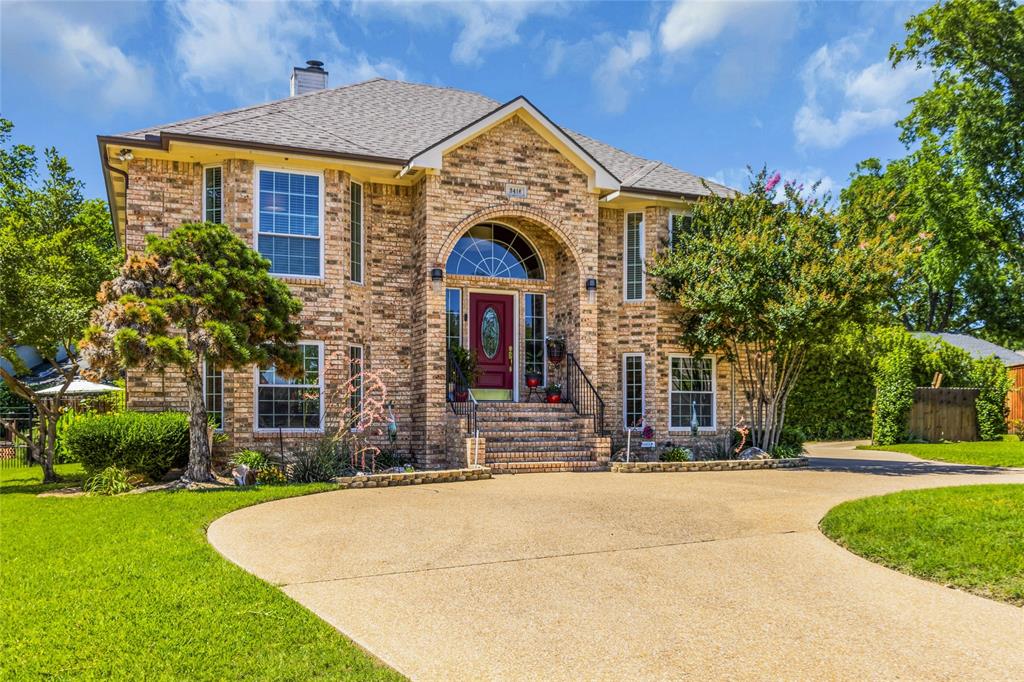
{"x":579,"y":454}
{"x":543,"y":467}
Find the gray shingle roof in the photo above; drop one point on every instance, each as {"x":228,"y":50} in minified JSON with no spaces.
{"x":394,"y":120}
{"x":978,"y":348}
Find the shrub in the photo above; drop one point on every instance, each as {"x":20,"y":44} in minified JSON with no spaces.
{"x":894,"y":394}
{"x":61,"y":455}
{"x":112,"y":481}
{"x":791,"y":443}
{"x":991,"y":377}
{"x":144,"y":443}
{"x":317,"y":462}
{"x":677,"y":454}
{"x":266,"y":470}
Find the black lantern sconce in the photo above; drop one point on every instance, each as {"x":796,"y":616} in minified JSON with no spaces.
{"x":436,"y":278}
{"x":591,"y":289}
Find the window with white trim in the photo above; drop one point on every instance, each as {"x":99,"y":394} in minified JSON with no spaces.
{"x":632,"y":389}
{"x":355,"y":378}
{"x":453,"y":317}
{"x":356,"y":212}
{"x":213,"y":394}
{"x":292,"y":404}
{"x":633,"y":257}
{"x":212,"y":194}
{"x":679,"y":225}
{"x":534,"y":318}
{"x":691,"y":392}
{"x":288,"y":222}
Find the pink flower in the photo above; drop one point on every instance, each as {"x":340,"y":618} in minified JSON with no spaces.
{"x":772,"y":181}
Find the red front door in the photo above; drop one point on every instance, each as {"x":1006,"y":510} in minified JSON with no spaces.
{"x":491,"y":337}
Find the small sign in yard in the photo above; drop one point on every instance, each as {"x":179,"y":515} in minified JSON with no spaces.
{"x":647,"y":443}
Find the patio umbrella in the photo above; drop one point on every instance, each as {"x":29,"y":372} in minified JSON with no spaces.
{"x":78,"y":387}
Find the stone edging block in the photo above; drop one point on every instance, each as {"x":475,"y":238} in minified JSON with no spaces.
{"x":708,"y":465}
{"x":413,"y":478}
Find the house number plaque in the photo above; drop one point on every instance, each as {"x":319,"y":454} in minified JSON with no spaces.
{"x":513,"y":191}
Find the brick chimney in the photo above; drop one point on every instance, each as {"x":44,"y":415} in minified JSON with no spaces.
{"x":308,"y":78}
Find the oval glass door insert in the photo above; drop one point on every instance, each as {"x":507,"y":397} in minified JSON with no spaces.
{"x":489,"y":332}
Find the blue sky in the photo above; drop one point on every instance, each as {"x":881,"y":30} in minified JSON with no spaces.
{"x":709,"y":87}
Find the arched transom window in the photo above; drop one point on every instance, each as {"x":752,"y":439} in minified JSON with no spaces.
{"x":493,"y":250}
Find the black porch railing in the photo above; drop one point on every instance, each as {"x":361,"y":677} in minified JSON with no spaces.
{"x":460,"y":394}
{"x":17,"y":424}
{"x":582,"y":394}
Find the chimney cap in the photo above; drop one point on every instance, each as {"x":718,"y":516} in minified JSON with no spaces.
{"x":315,"y":64}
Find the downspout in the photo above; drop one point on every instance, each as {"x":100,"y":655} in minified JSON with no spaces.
{"x":111,"y":198}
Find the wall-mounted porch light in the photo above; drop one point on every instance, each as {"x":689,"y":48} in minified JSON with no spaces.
{"x":125,"y":155}
{"x":436,"y":279}
{"x":591,"y":290}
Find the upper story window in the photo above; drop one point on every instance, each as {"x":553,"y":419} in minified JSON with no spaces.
{"x":288,"y":222}
{"x":212,"y":178}
{"x":633,"y":258}
{"x":493,"y":250}
{"x":679,"y":225}
{"x":356,"y":259}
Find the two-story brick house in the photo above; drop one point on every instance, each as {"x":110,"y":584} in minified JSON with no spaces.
{"x":411,"y":217}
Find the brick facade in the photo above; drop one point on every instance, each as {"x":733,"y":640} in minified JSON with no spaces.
{"x":397,"y":316}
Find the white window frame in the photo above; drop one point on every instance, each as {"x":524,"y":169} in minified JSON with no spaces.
{"x":543,"y":340}
{"x":671,"y":215}
{"x":219,"y":429}
{"x":714,"y":394}
{"x":462,"y":324}
{"x":643,"y":388}
{"x":362,"y":233}
{"x":206,"y":168}
{"x":256,"y":216}
{"x":256,"y":395}
{"x":362,"y":368}
{"x":625,"y":257}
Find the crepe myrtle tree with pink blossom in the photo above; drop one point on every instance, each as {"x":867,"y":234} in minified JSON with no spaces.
{"x":768,"y":275}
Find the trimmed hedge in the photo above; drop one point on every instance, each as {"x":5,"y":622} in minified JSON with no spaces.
{"x":145,"y":443}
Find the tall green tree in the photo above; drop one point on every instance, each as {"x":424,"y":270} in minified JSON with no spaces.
{"x":56,"y":248}
{"x":199,"y":295}
{"x":767,"y":277}
{"x":974,"y":110}
{"x":959,"y":277}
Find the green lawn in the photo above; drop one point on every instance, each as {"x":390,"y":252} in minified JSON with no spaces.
{"x":969,"y":537}
{"x":1008,"y":452}
{"x":128,"y":587}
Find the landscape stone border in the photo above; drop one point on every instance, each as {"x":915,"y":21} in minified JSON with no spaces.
{"x":707,"y":465}
{"x":413,"y":478}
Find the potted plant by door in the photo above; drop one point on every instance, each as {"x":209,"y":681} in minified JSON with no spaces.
{"x":553,"y":393}
{"x":534,"y":379}
{"x":466,"y":362}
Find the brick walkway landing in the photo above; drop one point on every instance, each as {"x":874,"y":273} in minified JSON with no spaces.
{"x":535,"y":437}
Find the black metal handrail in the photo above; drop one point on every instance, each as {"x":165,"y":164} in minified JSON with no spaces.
{"x":460,"y":393}
{"x":582,"y":394}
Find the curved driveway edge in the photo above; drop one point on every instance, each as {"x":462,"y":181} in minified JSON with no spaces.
{"x":599,"y":576}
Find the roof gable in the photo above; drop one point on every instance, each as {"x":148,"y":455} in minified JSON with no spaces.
{"x":599,"y":176}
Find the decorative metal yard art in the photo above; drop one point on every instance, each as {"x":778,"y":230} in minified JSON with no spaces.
{"x":694,"y":419}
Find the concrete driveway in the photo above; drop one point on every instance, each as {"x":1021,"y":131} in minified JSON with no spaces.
{"x":628,"y":576}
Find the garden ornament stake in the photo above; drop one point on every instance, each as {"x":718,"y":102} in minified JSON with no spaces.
{"x":694,"y":420}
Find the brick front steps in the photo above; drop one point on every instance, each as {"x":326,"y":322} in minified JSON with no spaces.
{"x":413,"y":478}
{"x":708,"y":465}
{"x":536,"y":437}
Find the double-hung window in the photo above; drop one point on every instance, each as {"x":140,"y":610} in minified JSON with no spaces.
{"x":632,"y":389}
{"x":213,"y":394}
{"x":295,"y":403}
{"x":289,"y":221}
{"x":212,"y":194}
{"x":453,"y":317}
{"x":356,"y":258}
{"x":533,"y":305}
{"x":633,"y":257}
{"x":678,"y":227}
{"x":691,"y":392}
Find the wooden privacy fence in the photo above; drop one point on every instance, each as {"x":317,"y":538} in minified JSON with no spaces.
{"x":1015,"y":398}
{"x":944,"y":414}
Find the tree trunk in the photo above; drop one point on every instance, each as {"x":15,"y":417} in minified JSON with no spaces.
{"x":200,"y":461}
{"x":48,"y":442}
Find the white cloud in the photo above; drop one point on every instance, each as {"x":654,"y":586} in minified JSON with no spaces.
{"x":744,"y":42}
{"x":861,"y":99}
{"x":484,"y":25}
{"x":238,"y":47}
{"x":620,"y":65}
{"x":77,"y":57}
